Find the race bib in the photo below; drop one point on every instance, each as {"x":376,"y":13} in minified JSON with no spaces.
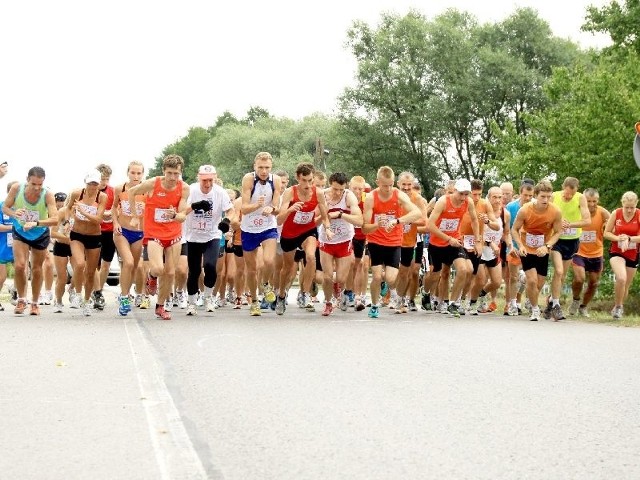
{"x":302,"y":218}
{"x":30,"y":216}
{"x":340,"y":232}
{"x":493,"y":237}
{"x":90,"y":209}
{"x":469,"y":242}
{"x":570,"y":231}
{"x":588,"y":236}
{"x":449,"y":224}
{"x":534,"y":241}
{"x":125,"y":206}
{"x":162,"y":215}
{"x":406,"y":228}
{"x":202,"y":224}
{"x":9,"y":240}
{"x":382,"y":219}
{"x":630,"y":245}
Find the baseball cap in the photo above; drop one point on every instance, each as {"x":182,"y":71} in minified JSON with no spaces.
{"x":206,"y":171}
{"x":462,"y":185}
{"x":93,"y":176}
{"x":60,"y":196}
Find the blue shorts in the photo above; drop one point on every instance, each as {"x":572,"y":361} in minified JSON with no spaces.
{"x":132,"y":236}
{"x":251,"y":241}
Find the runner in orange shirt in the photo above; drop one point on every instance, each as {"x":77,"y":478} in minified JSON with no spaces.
{"x":408,"y":249}
{"x":386,"y":210}
{"x":590,"y":256}
{"x":536,"y":229}
{"x":164,"y":213}
{"x":446,"y":242}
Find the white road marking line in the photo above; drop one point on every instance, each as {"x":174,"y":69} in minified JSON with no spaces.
{"x":175,"y":455}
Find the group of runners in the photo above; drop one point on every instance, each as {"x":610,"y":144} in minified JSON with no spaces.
{"x":247,"y":247}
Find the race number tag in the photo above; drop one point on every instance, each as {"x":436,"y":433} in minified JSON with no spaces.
{"x":89,"y":209}
{"x":382,"y":219}
{"x":449,"y":224}
{"x":30,"y":216}
{"x":202,"y":224}
{"x":534,"y":241}
{"x":570,"y":231}
{"x":588,"y":236}
{"x":9,"y":240}
{"x":469,"y":242}
{"x":125,"y":206}
{"x":340,"y":232}
{"x":630,"y":245}
{"x":492,"y":237}
{"x":406,"y":228}
{"x":302,"y":218}
{"x":162,"y":215}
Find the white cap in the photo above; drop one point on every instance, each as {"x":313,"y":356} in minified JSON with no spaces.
{"x":93,"y":176}
{"x":206,"y":171}
{"x":463,"y":185}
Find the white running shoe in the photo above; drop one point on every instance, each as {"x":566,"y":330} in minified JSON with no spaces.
{"x":209,"y":304}
{"x":191,"y":309}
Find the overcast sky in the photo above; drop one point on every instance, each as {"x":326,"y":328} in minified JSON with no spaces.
{"x":85,"y":82}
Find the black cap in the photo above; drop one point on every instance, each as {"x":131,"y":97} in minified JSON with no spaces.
{"x":60,"y":197}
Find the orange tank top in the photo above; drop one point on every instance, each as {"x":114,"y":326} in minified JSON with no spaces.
{"x":410,"y":230}
{"x":592,"y":237}
{"x":449,"y":222}
{"x":384,"y":211}
{"x":157,"y":223}
{"x":466,"y":230}
{"x":538,"y":226}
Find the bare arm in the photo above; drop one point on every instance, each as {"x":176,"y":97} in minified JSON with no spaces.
{"x":368,"y":227}
{"x":412,"y":212}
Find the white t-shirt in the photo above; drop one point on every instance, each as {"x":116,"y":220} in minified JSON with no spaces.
{"x":202,"y":227}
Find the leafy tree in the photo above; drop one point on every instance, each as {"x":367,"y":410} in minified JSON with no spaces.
{"x":586,"y":131}
{"x":191,"y":148}
{"x":234,"y":146}
{"x":434,"y":88}
{"x":620,"y":20}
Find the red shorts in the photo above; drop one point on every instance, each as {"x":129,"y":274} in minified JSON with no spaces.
{"x":162,"y":243}
{"x":337,"y":250}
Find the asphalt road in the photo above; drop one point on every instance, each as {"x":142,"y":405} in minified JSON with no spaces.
{"x":226,"y":395}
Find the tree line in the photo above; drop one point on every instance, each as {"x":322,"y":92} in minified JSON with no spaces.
{"x":450,"y":97}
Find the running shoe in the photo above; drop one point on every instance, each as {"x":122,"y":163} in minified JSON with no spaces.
{"x":162,"y":314}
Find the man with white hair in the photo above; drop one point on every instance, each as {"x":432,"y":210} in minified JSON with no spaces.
{"x":204,"y":228}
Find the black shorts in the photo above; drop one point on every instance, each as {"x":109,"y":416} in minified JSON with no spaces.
{"x":89,"y":242}
{"x":628,"y":263}
{"x":61,"y":249}
{"x":475,"y":260}
{"x":383,"y":255}
{"x":183,"y":250}
{"x":439,"y":256}
{"x":418,"y":253}
{"x":541,"y":264}
{"x":591,"y":265}
{"x":40,"y":243}
{"x":490,"y":263}
{"x":358,"y":247}
{"x":503,"y":252}
{"x":567,"y":248}
{"x":237,"y":251}
{"x":406,"y":256}
{"x":289,"y":244}
{"x":107,"y":247}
